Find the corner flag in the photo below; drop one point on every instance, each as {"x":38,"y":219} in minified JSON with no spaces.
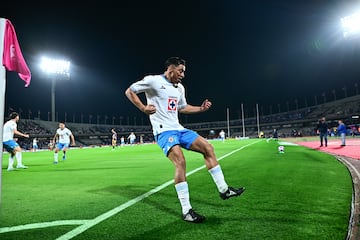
{"x":11,"y":60}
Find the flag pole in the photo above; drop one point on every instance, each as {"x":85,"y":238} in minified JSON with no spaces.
{"x":257,"y":118}
{"x":2,"y":97}
{"x":243,"y":120}
{"x":228,"y":121}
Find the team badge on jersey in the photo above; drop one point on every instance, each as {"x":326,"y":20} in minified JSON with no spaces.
{"x":172,"y":104}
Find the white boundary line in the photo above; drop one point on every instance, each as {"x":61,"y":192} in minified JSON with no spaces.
{"x":42,"y":225}
{"x":80,"y":229}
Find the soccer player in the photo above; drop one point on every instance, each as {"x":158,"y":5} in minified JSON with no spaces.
{"x":165,"y":97}
{"x":35,"y":145}
{"x":132,"y":138}
{"x":63,"y":135}
{"x":114,"y":138}
{"x":10,"y":128}
{"x":222,"y":135}
{"x":122,"y":141}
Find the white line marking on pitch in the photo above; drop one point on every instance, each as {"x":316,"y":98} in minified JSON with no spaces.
{"x":42,"y":225}
{"x":86,"y":224}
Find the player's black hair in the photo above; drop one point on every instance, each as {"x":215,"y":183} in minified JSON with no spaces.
{"x":63,"y":122}
{"x":13,"y":115}
{"x":174,"y":61}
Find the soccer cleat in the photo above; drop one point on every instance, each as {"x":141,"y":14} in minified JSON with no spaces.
{"x":11,"y":169}
{"x":192,"y":216}
{"x":232,"y":192}
{"x":55,"y":162}
{"x":22,"y":167}
{"x":64,"y":157}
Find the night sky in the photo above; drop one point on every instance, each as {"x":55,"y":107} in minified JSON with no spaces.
{"x":265,"y":52}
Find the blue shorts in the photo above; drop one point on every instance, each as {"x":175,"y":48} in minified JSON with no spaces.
{"x":60,"y":146}
{"x":10,"y":145}
{"x":166,"y":140}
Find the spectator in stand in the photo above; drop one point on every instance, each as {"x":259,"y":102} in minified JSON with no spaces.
{"x":322,"y":127}
{"x":341,"y":129}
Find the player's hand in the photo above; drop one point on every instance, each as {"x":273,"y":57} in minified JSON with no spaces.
{"x":26,"y":135}
{"x":149,"y":109}
{"x":205,"y":105}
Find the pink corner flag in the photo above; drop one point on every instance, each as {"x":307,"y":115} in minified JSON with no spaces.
{"x":12,"y":58}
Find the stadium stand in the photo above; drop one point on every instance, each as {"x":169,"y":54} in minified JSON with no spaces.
{"x":295,"y":123}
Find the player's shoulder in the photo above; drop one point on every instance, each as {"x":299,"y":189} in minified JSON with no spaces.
{"x":152,"y":77}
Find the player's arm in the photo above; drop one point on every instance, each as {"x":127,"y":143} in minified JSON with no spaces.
{"x":20,"y":133}
{"x":188,"y":109}
{"x":133,"y":97}
{"x":72,"y":140}
{"x":55,"y":137}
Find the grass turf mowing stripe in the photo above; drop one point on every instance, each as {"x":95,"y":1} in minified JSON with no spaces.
{"x":75,"y":232}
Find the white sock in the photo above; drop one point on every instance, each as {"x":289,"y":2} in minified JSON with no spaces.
{"x":19,"y":159}
{"x":56,"y":157}
{"x":11,"y":162}
{"x":182,"y":190}
{"x":218,"y":178}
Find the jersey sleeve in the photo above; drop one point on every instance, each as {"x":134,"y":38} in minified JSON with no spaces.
{"x":142,"y":85}
{"x":182,"y":100}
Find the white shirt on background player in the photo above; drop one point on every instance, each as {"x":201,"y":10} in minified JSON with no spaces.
{"x":64,"y":135}
{"x":9,"y":128}
{"x":167,"y":99}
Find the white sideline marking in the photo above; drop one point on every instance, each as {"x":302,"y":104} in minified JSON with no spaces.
{"x":86,"y":224}
{"x":42,"y":225}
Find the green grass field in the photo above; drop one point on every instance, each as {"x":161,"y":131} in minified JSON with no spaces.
{"x":302,"y":194}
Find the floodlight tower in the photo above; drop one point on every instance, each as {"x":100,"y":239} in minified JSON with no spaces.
{"x":55,"y":69}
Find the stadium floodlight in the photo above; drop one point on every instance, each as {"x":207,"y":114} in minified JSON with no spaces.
{"x":351,"y":25}
{"x":55,"y":69}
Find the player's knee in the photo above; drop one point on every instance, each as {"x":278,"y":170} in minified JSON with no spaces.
{"x":208,"y":150}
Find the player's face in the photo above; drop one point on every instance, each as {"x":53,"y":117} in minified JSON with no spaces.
{"x":17,"y":118}
{"x":177,"y":73}
{"x":61,"y":126}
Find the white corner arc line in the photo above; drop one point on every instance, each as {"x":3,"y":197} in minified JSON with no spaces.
{"x":80,"y":229}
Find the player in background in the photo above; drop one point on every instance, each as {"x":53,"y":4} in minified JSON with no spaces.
{"x":63,"y":135}
{"x":165,"y":97}
{"x":10,"y":128}
{"x":122,"y":141}
{"x":222,"y":135}
{"x":35,"y":146}
{"x":132,"y":138}
{"x":113,"y":138}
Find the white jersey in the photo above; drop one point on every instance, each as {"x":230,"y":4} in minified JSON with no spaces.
{"x":64,"y":135}
{"x":8,"y":131}
{"x":34,"y":142}
{"x":132,"y":137}
{"x":222,"y":134}
{"x":167,"y":100}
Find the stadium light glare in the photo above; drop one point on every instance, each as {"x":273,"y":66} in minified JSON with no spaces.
{"x":55,"y":69}
{"x":351,"y":25}
{"x":55,"y":66}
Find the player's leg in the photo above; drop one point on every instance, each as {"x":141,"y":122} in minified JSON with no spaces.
{"x":56,"y":152}
{"x":65,"y":148}
{"x":10,"y":149}
{"x":201,"y":145}
{"x":18,"y":154}
{"x":169,"y":143}
{"x":182,"y":189}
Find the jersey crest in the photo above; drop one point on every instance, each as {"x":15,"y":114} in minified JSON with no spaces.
{"x":172,"y":104}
